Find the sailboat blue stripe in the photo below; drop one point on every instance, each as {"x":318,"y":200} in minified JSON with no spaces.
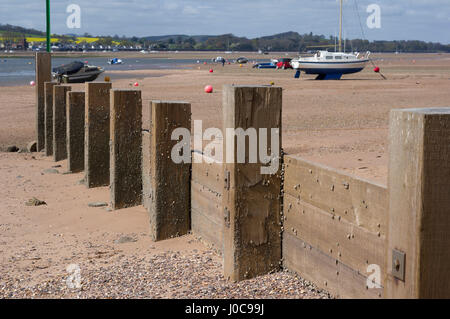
{"x":339,"y":62}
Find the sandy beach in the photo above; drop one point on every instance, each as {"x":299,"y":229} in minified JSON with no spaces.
{"x":342,"y":124}
{"x":339,"y":123}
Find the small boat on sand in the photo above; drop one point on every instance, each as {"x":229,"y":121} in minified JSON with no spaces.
{"x":331,"y":65}
{"x":219,"y":59}
{"x":265,"y":65}
{"x":76,"y":72}
{"x":242,"y":60}
{"x":115,"y":61}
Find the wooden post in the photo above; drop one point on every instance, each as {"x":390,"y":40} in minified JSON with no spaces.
{"x":166,"y":183}
{"x":60,"y":122}
{"x":49,"y":117}
{"x":96,"y":144}
{"x":251,"y":200}
{"x":419,"y":204}
{"x":43,"y":63}
{"x":75,"y":131}
{"x":125,"y":148}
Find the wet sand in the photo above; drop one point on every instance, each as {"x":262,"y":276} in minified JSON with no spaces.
{"x":343,"y":124}
{"x":339,"y":123}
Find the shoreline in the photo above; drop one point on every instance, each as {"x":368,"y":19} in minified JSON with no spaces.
{"x":343,"y":124}
{"x":208,"y":55}
{"x":339,"y":124}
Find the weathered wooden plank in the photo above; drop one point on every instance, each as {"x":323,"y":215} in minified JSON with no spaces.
{"x":252,"y":232}
{"x":352,"y":245}
{"x":167,"y":192}
{"x":125,"y":148}
{"x":75,"y":131}
{"x":48,"y":121}
{"x":360,"y":202}
{"x":207,"y":215}
{"x":324,"y":271}
{"x":43,"y":62}
{"x":208,"y":231}
{"x":207,"y":202}
{"x":97,"y":113}
{"x":146,"y":171}
{"x":207,"y":185}
{"x":209,"y":173}
{"x":60,"y":122}
{"x":419,"y":216}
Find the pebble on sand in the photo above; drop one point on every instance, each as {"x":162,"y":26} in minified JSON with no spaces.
{"x":125,"y":239}
{"x":32,"y":147}
{"x":50,"y":171}
{"x":12,"y":149}
{"x":98,"y":204}
{"x":35,"y":202}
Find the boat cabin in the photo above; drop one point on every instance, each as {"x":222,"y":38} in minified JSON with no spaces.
{"x":334,"y":56}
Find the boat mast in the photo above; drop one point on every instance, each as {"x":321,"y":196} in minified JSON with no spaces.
{"x":340,"y":28}
{"x":345,"y":42}
{"x":335,"y":42}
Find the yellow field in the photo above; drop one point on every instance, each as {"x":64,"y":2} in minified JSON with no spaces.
{"x":31,"y":39}
{"x":78,"y":40}
{"x":87,"y":40}
{"x":54,"y":40}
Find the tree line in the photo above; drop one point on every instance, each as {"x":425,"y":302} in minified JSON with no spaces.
{"x":288,"y":41}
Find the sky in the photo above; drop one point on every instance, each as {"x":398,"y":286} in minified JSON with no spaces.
{"x":427,"y":20}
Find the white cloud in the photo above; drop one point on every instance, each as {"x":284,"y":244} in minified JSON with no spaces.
{"x":190,"y":10}
{"x":170,"y":5}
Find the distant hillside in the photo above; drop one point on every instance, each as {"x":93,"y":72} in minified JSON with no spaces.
{"x":287,"y":41}
{"x":20,"y":30}
{"x":176,"y":37}
{"x":284,"y":35}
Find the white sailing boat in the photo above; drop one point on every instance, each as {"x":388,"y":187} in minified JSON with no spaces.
{"x":331,"y":65}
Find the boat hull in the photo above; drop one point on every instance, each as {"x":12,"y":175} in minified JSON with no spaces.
{"x":330,"y":67}
{"x":266,"y":66}
{"x":78,"y":78}
{"x":81,"y":78}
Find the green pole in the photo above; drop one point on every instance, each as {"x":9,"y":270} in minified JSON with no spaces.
{"x":48,"y":26}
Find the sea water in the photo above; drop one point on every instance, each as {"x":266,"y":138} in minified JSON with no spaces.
{"x":20,"y":71}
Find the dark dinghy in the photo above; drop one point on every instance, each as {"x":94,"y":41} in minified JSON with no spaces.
{"x":76,"y":72}
{"x":242,"y":60}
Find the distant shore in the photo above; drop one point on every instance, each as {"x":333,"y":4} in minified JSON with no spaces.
{"x":201,"y":55}
{"x":160,"y":54}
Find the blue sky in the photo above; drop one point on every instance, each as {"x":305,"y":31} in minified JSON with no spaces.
{"x":427,"y":20}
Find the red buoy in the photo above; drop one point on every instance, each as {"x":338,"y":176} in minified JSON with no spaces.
{"x":211,"y":71}
{"x":376,"y":70}
{"x":208,"y":89}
